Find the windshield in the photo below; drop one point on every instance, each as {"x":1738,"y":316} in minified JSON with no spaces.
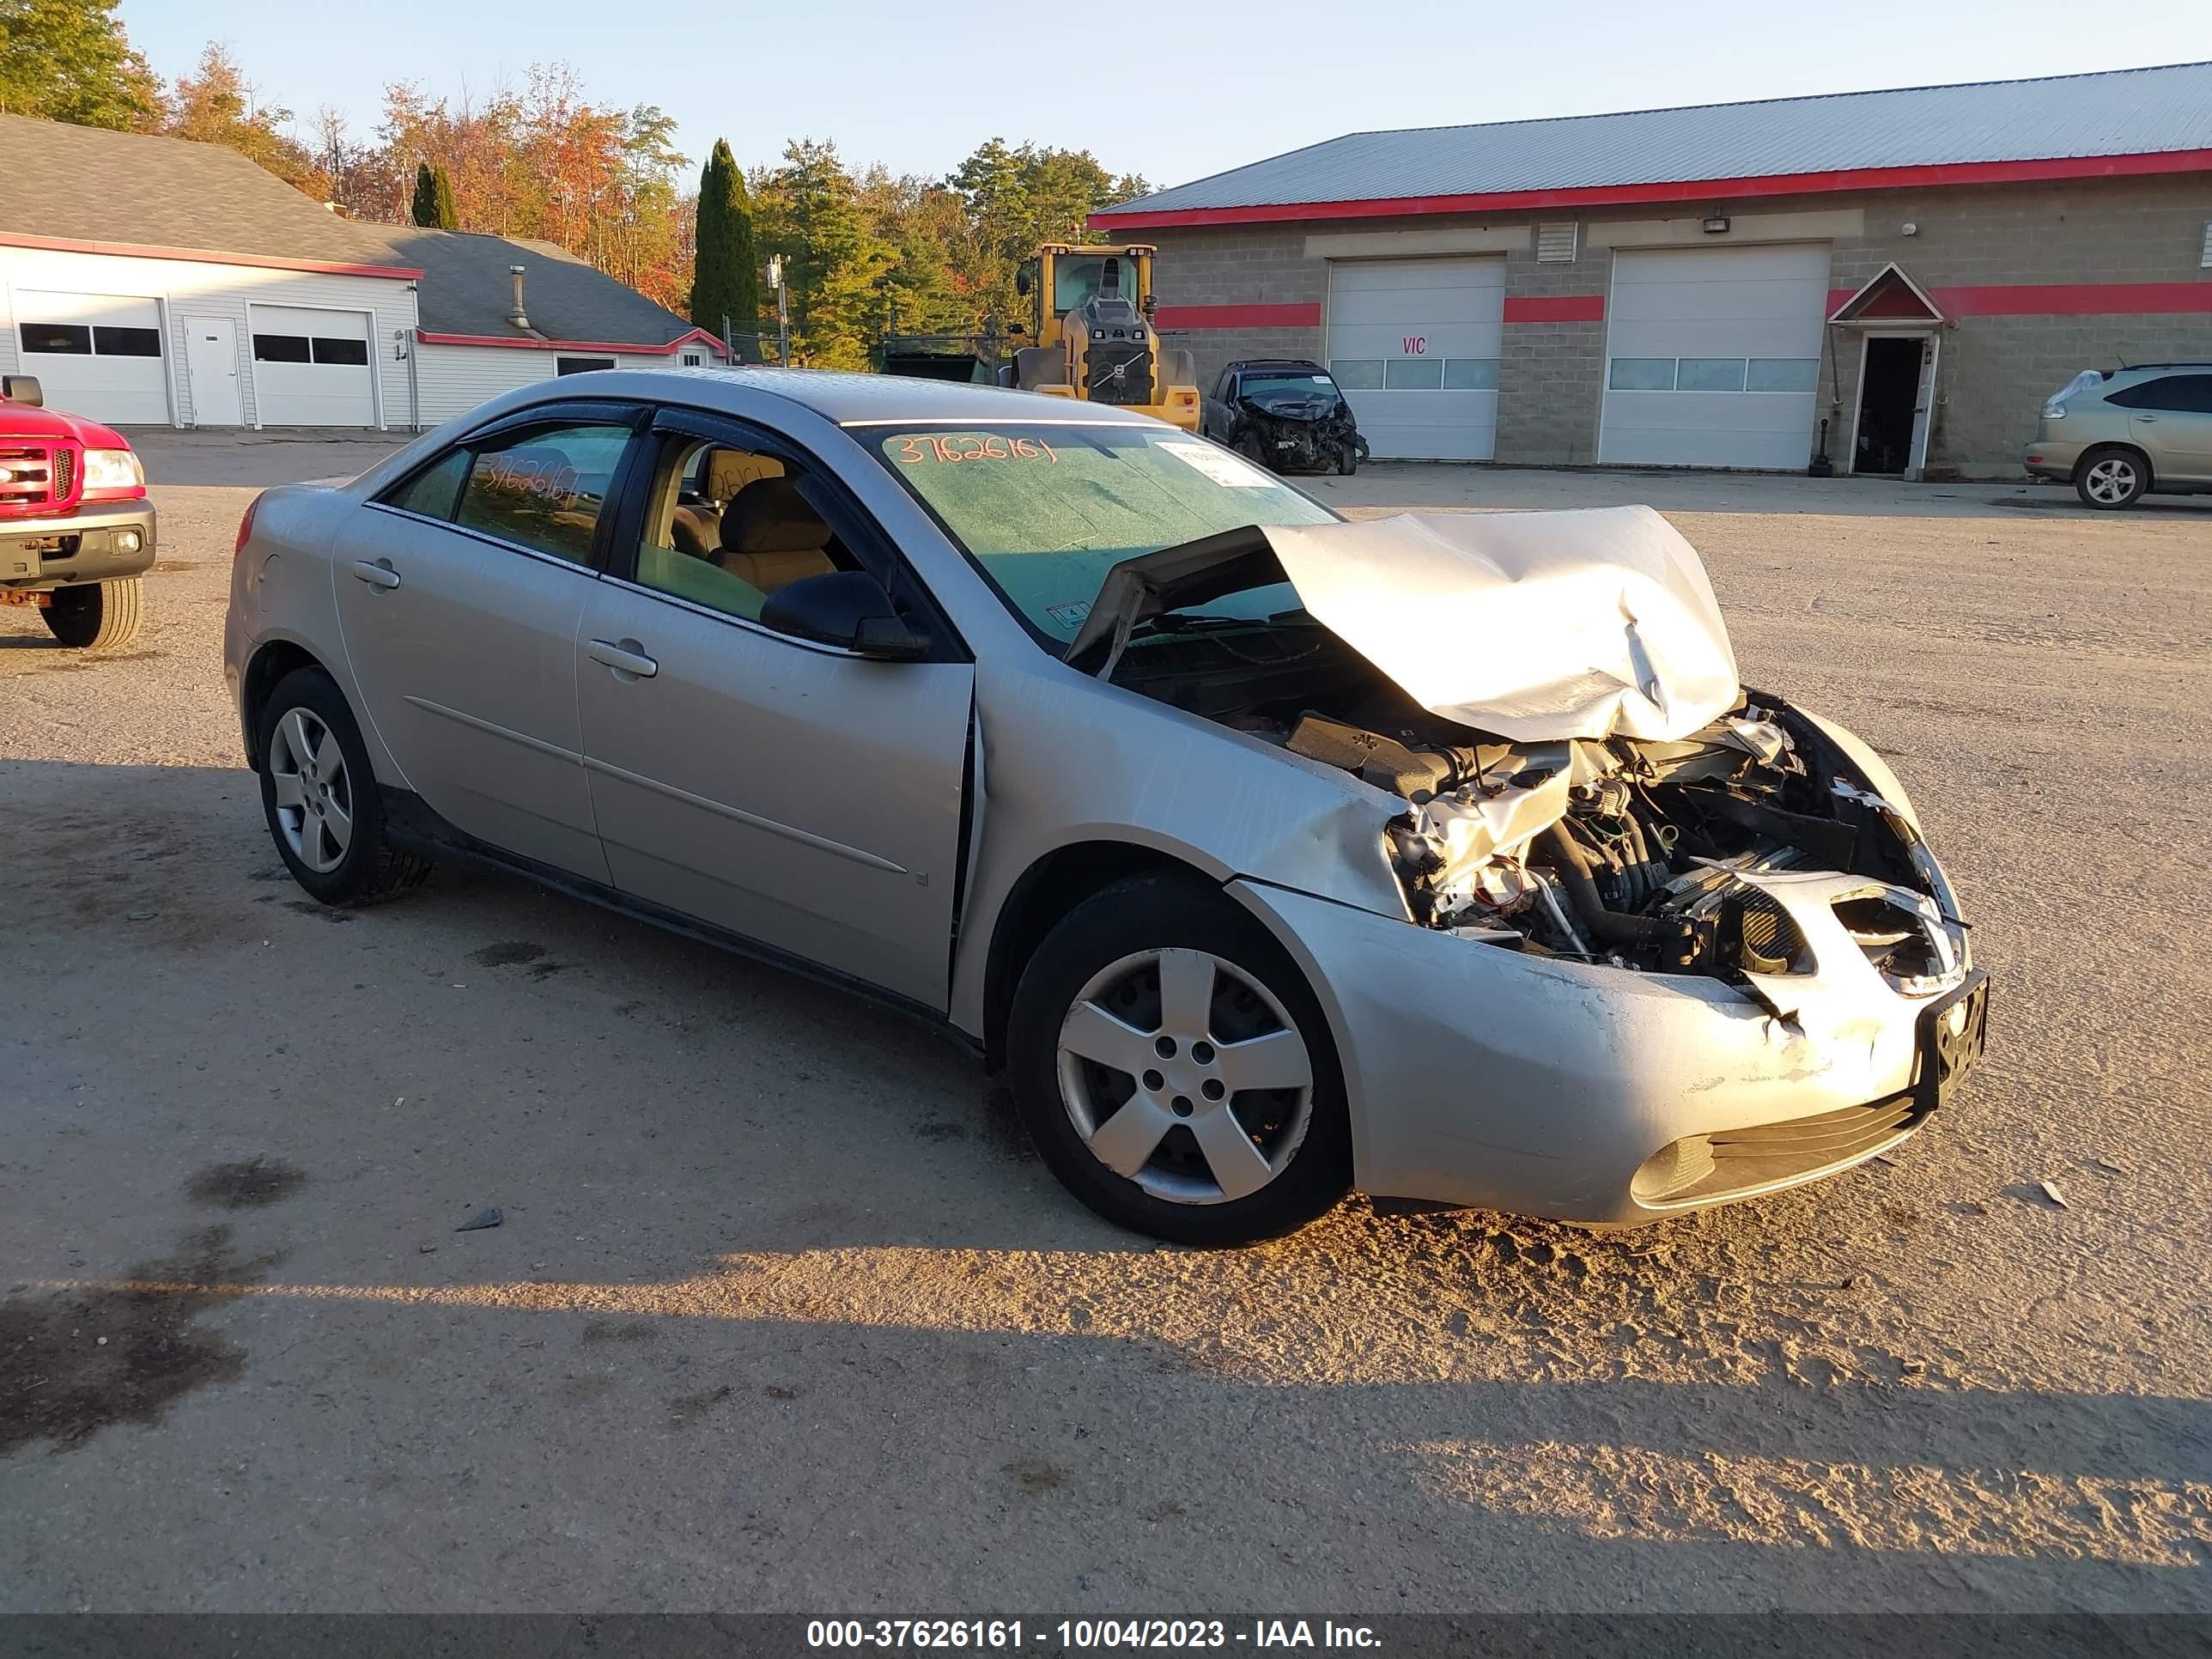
{"x":1269,"y":389}
{"x":1047,"y":511}
{"x":1076,"y":281}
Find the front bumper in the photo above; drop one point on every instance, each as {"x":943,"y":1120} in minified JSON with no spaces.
{"x":100,"y":542}
{"x":2051,"y":460}
{"x":1481,"y":1076}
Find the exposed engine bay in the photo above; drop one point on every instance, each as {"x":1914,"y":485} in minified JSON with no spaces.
{"x":1657,"y":855}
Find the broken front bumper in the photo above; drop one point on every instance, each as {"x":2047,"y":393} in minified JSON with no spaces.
{"x":1481,"y":1076}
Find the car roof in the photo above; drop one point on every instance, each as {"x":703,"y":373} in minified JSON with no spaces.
{"x":2141,"y":368}
{"x":859,"y":399}
{"x":1274,"y":362}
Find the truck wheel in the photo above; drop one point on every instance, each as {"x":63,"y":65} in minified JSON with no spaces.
{"x":94,"y":616}
{"x":1176,"y":1071}
{"x":318,"y":793}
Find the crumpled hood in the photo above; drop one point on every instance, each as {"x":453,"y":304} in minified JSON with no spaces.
{"x":1589,"y":622}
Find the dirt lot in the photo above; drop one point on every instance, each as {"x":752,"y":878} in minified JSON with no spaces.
{"x":782,"y":1317}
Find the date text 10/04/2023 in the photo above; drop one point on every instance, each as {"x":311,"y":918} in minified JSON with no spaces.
{"x":1084,"y":1633}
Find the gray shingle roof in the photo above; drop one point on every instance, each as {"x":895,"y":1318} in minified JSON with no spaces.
{"x":88,"y":184}
{"x":2118,"y":113}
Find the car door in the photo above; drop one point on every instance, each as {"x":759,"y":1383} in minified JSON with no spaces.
{"x":2172,"y":418}
{"x":796,"y":794}
{"x":460,"y":593}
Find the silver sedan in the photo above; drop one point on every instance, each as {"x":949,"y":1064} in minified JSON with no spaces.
{"x":1268,"y":855}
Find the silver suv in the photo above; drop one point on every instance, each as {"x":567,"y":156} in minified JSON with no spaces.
{"x":2118,"y":434}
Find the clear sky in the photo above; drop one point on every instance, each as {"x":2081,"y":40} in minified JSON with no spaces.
{"x":1171,"y":91}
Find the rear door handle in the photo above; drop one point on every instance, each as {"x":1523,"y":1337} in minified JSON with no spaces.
{"x":379,"y":574}
{"x":625,"y":656}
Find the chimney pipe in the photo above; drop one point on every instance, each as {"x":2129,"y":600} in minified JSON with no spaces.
{"x":518,"y":316}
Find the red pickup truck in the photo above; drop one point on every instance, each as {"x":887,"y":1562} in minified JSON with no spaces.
{"x":75,"y":527}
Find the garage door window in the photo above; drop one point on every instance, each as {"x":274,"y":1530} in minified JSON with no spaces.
{"x":73,"y":339}
{"x":310,"y":349}
{"x":1798,"y":374}
{"x":1413,"y":375}
{"x":1470,"y":373}
{"x":1358,"y":374}
{"x":126,"y":342}
{"x":1642,"y":374}
{"x":1709,"y":374}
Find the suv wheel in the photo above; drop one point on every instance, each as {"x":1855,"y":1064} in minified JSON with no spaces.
{"x":96,"y":616}
{"x":1176,"y":1071}
{"x":318,"y":793}
{"x":2109,"y":478}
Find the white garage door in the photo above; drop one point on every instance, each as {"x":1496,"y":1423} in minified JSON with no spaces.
{"x":1414,"y":344}
{"x":95,"y":354}
{"x":1713,"y":357}
{"x":311,"y":367}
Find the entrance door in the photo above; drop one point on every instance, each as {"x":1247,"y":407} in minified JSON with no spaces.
{"x":1415,"y":346}
{"x":211,"y":370}
{"x":1882,"y":437}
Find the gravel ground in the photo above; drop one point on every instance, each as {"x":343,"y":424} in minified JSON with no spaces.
{"x":782,"y":1316}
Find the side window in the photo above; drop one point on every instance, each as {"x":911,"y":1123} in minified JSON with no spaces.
{"x":1222,"y":387}
{"x":726,"y":527}
{"x":432,"y":491}
{"x":543,"y":488}
{"x":2179,"y":394}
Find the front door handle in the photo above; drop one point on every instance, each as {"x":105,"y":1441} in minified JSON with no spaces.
{"x":2146,"y":417}
{"x":379,"y":574}
{"x":626,"y":657}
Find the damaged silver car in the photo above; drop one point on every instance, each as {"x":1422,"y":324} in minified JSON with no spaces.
{"x":1269,"y":855}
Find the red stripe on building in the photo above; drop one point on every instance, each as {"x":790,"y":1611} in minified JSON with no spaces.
{"x":1687,"y":190}
{"x":1289,"y":316}
{"x":1558,"y":309}
{"x":204,"y":256}
{"x":697,"y":336}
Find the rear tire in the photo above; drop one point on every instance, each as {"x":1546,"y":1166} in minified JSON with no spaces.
{"x":2111,"y":479}
{"x":1239,"y":1130}
{"x":97,"y":616}
{"x":319,"y":796}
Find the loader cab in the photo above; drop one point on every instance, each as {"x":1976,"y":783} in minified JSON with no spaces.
{"x":1062,"y":278}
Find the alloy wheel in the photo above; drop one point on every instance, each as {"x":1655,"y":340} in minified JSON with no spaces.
{"x":2111,"y":480}
{"x":1183,"y":1073}
{"x":314,"y":792}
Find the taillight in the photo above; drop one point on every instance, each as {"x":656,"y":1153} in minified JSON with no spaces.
{"x":245,"y":528}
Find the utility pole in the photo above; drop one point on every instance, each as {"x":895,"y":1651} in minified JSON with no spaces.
{"x":782,"y":311}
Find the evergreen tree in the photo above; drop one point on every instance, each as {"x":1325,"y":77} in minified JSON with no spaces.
{"x":433,"y":206}
{"x":725,"y":274}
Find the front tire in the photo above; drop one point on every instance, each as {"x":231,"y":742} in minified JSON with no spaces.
{"x":1174,"y":1070}
{"x":97,"y":616}
{"x":320,"y":797}
{"x":2109,"y":479}
{"x":1249,"y":448}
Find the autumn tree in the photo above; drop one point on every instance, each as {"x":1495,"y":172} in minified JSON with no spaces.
{"x":217,"y":106}
{"x":725,"y":280}
{"x":69,"y":60}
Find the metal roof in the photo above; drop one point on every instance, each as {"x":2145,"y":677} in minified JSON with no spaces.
{"x":2118,"y":113}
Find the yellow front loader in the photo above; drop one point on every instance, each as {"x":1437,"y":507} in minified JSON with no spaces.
{"x":1093,"y":335}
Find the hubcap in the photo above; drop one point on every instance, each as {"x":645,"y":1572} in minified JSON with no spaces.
{"x":1184,"y":1074}
{"x":2112,"y":480}
{"x":314,"y":797}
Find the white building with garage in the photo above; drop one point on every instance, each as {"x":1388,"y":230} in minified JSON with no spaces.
{"x":152,"y":282}
{"x":1893,"y":281}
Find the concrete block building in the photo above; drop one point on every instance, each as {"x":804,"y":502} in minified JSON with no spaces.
{"x":1895,"y":279}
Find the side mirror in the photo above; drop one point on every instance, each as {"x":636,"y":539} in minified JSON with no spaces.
{"x":1152,"y":304}
{"x":845,"y":608}
{"x":1022,"y":282}
{"x":22,"y":389}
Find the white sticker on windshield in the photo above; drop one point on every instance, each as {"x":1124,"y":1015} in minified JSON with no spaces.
{"x":1219,"y":465}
